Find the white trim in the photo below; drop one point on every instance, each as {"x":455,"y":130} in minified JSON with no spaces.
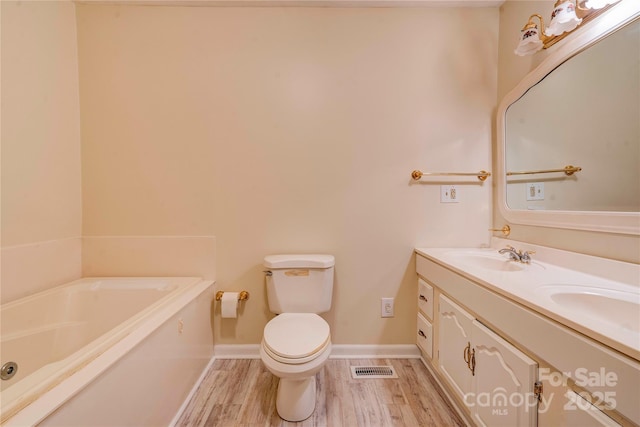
{"x":611,"y":222}
{"x":339,"y":351}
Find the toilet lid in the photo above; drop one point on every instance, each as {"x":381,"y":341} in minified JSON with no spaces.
{"x":296,"y":335}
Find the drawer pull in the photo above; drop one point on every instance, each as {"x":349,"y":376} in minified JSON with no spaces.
{"x":422,"y":334}
{"x":423,"y":298}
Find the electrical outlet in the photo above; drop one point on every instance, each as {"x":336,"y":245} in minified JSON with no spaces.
{"x":386,"y":307}
{"x":535,"y":191}
{"x":449,"y":194}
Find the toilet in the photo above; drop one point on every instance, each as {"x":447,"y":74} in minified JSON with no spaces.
{"x":297,"y":342}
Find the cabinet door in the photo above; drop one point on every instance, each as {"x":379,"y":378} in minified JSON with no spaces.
{"x":454,"y":336}
{"x":503,"y":382}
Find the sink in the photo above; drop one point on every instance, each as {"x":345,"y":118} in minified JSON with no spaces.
{"x":486,"y":260}
{"x":618,"y":307}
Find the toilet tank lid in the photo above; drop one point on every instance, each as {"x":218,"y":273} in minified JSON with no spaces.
{"x":299,"y":261}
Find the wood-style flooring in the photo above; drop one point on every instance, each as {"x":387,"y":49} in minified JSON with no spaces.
{"x":241,"y":393}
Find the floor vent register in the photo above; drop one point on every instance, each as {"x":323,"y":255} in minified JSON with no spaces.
{"x":359,"y":372}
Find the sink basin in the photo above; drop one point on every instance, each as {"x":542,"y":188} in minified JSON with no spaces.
{"x":611,"y":306}
{"x":486,"y":260}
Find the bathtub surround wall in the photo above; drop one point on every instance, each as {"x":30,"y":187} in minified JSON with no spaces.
{"x":42,"y":243}
{"x":41,"y":196}
{"x":139,"y":256}
{"x":284,"y":130}
{"x":33,"y":267}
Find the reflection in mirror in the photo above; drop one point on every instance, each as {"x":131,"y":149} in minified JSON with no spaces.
{"x":585,"y":113}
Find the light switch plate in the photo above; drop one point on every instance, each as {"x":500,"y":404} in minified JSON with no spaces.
{"x":535,"y":191}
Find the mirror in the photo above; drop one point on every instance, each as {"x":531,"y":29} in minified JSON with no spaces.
{"x":579,"y":108}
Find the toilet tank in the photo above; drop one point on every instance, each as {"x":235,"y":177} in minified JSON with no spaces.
{"x":299,"y":283}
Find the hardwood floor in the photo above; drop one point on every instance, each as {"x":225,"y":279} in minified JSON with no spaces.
{"x":241,"y":393}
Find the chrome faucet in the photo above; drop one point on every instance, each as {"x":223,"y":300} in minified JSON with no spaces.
{"x":513,"y":254}
{"x":523,"y":257}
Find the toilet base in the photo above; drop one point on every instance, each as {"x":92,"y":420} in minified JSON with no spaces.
{"x":296,"y":398}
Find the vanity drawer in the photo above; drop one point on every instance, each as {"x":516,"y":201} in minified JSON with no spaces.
{"x":425,"y":298}
{"x":425,"y":335}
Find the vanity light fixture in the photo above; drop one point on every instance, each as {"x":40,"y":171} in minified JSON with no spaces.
{"x":531,"y":39}
{"x":563,"y":18}
{"x":567,"y":15}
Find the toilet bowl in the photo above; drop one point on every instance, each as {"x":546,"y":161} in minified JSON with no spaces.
{"x":297,"y":342}
{"x":295,"y":346}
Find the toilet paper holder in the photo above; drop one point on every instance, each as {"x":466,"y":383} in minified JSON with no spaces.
{"x":243,"y":296}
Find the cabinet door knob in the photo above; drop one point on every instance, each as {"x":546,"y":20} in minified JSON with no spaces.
{"x":423,"y":298}
{"x":422,"y":334}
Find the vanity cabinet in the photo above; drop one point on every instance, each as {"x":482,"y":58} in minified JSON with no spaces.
{"x":503,"y":364}
{"x":494,"y":379}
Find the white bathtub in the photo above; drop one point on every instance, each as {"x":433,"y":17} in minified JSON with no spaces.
{"x":105,"y":351}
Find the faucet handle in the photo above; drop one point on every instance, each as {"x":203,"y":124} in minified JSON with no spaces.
{"x":526,"y":256}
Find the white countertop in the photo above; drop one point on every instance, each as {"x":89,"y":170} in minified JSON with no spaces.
{"x":602,"y":303}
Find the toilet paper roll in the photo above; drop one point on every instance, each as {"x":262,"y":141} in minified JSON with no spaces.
{"x":229,"y":306}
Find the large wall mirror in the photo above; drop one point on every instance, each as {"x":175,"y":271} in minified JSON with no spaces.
{"x":569,"y":133}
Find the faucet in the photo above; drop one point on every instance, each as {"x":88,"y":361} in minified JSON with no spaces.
{"x":513,"y":254}
{"x":523,"y":257}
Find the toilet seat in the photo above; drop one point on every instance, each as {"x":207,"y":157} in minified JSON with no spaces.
{"x":295,"y":338}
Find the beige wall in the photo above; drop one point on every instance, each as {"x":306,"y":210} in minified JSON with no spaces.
{"x":511,"y":69}
{"x":41,"y":200}
{"x":290,"y":130}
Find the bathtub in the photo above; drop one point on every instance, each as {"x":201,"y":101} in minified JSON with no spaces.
{"x":107,"y":351}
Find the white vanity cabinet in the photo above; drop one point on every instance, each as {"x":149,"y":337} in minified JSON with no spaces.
{"x":494,"y":379}
{"x":493,"y":356}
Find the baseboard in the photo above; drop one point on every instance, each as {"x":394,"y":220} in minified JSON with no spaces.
{"x":339,"y":351}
